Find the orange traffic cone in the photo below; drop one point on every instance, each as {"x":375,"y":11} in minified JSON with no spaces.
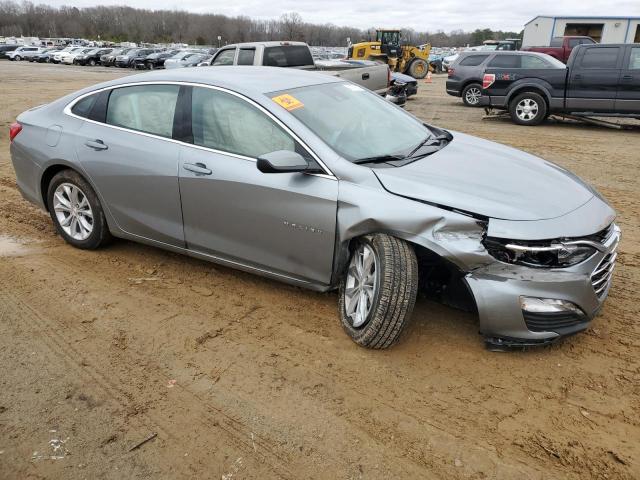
{"x":428,"y":79}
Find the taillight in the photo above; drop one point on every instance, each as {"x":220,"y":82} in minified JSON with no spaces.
{"x":388,"y":76}
{"x":14,"y":130}
{"x":450,"y":72}
{"x":488,"y":79}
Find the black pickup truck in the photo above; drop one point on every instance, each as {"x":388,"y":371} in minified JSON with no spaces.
{"x":600,"y":80}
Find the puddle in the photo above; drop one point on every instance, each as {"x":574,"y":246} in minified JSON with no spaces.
{"x":10,"y":247}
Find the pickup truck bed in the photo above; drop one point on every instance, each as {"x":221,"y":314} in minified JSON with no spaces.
{"x":598,"y":80}
{"x":371,"y":75}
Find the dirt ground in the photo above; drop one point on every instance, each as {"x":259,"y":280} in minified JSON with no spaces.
{"x":241,"y":377}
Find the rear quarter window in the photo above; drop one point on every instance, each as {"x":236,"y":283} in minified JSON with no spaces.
{"x":505,"y":61}
{"x":84,"y":106}
{"x":531,"y":61}
{"x":473,"y":60}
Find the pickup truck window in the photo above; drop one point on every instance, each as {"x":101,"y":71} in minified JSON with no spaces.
{"x":600,"y":58}
{"x":245,"y":56}
{"x":505,"y":61}
{"x":634,"y":61}
{"x":574,"y":42}
{"x":473,"y":60}
{"x":225,"y":57}
{"x":556,"y":42}
{"x":287,"y":56}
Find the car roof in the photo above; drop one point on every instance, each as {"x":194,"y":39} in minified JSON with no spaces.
{"x":249,"y":80}
{"x":264,"y":44}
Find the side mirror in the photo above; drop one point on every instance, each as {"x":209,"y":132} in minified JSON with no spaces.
{"x":282,"y":161}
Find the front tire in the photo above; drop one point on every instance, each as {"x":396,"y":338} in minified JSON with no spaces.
{"x":378,"y":291}
{"x":17,"y":58}
{"x":528,"y":108}
{"x":418,"y":69}
{"x":76,"y":211}
{"x":471,"y":94}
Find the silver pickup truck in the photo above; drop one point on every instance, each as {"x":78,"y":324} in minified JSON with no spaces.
{"x":371,"y":75}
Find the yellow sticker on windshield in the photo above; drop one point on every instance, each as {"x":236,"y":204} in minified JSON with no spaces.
{"x":288,"y":101}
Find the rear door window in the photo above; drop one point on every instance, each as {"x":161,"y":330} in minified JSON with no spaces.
{"x":505,"y":61}
{"x":634,"y":60}
{"x":246,"y":55}
{"x":473,"y":60}
{"x":145,"y":108}
{"x":600,"y":57}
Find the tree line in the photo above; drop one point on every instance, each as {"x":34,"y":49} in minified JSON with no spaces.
{"x":127,"y":24}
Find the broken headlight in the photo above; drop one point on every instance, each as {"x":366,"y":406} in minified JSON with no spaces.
{"x":541,"y":254}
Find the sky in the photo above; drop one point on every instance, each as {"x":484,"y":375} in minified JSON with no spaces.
{"x":421,"y":15}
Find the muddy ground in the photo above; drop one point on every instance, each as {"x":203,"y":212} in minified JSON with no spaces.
{"x":242,"y":377}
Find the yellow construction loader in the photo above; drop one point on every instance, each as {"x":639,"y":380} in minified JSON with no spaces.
{"x":387,"y":49}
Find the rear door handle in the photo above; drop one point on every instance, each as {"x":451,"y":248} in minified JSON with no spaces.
{"x":365,"y":76}
{"x":577,"y":77}
{"x":198,"y":168}
{"x":96,"y":144}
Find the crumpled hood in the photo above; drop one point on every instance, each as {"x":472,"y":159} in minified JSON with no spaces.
{"x":488,"y":179}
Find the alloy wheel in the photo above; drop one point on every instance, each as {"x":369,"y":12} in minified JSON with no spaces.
{"x":73,"y":211}
{"x":527,"y":109}
{"x":473,"y":96}
{"x":361,"y":285}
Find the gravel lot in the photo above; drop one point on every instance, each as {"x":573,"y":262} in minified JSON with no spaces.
{"x":242,"y":377}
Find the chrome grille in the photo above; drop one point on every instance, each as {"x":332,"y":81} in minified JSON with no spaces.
{"x":601,"y":276}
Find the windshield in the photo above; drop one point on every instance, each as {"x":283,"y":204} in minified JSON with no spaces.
{"x":356,"y":123}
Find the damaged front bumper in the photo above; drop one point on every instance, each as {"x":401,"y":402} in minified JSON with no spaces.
{"x":522,"y":306}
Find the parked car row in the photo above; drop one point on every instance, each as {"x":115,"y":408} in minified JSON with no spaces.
{"x":137,"y":58}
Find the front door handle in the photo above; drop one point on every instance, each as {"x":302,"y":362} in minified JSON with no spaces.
{"x":627,"y":77}
{"x":96,"y":144}
{"x":577,"y":77}
{"x":198,"y":168}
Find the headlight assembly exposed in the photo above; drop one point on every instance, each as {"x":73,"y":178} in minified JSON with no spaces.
{"x":542,"y":254}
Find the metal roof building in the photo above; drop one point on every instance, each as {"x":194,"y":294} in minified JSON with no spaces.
{"x":540,"y":30}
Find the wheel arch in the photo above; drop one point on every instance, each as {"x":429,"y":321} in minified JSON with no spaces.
{"x":532,"y":88}
{"x":457,"y":292}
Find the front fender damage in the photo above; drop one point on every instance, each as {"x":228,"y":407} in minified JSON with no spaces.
{"x":453,"y":236}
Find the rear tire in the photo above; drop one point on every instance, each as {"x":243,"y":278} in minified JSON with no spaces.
{"x":528,"y":108}
{"x":382,"y":276}
{"x":418,"y":69}
{"x":471,"y":94}
{"x":76,"y":211}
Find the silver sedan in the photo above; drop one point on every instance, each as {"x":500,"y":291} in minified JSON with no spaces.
{"x":314,"y":181}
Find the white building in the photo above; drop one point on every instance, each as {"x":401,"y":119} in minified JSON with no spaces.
{"x":540,"y":30}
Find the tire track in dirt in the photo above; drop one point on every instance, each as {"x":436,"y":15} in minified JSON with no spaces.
{"x":63,"y":345}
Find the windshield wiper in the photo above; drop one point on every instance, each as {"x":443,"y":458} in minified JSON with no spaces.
{"x":379,"y":159}
{"x":430,"y":140}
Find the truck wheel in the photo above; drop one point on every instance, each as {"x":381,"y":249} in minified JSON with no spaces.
{"x":378,"y":291}
{"x":528,"y":108}
{"x":471,"y":94}
{"x":418,"y":69}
